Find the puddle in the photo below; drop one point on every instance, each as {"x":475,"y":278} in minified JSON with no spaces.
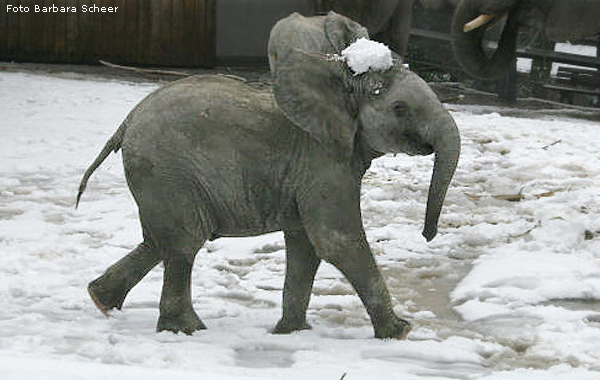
{"x":425,"y":286}
{"x":590,"y":305}
{"x":8,"y":213}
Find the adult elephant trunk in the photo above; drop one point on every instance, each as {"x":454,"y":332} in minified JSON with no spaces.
{"x":468,"y":45}
{"x":446,"y":143}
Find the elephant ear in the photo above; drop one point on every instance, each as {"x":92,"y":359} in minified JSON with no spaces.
{"x":311,"y":92}
{"x":341,"y":31}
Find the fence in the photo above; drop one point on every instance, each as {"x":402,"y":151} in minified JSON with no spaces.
{"x":143,"y":32}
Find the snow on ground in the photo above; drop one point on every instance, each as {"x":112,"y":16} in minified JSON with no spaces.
{"x":510,"y":288}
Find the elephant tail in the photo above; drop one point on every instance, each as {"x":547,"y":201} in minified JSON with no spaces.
{"x":113,"y":144}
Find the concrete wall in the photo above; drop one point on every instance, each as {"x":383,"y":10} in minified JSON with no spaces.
{"x":243,"y":26}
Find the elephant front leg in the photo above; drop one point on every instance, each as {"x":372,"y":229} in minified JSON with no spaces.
{"x":359,"y":267}
{"x":301,"y":267}
{"x":109,"y":290}
{"x":176,"y":310}
{"x":334,"y":227}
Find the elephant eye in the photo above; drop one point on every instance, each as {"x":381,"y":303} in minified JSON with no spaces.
{"x":400,"y":108}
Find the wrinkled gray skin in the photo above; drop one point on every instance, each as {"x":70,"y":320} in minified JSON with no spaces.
{"x":210,"y":156}
{"x":559,"y":20}
{"x":387,"y":21}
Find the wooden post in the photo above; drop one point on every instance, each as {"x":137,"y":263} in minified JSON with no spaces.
{"x":507,"y":86}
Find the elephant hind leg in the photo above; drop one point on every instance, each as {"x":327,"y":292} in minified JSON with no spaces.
{"x":178,"y":235}
{"x":176,"y":310}
{"x":110,"y":289}
{"x":176,"y":219}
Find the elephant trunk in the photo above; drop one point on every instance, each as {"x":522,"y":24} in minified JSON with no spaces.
{"x":468,"y":47}
{"x":446,"y":143}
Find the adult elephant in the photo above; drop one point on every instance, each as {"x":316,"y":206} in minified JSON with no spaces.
{"x":559,"y":20}
{"x":387,"y":21}
{"x":211,"y":156}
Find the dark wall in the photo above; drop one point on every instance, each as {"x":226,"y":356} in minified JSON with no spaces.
{"x":243,"y":26}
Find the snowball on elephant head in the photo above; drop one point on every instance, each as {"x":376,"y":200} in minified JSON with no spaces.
{"x":364,"y":54}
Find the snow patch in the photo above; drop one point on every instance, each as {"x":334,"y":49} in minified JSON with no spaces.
{"x":365,"y":54}
{"x":525,"y":274}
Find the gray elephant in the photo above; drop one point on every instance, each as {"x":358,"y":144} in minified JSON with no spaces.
{"x":559,"y":20}
{"x":211,"y":156}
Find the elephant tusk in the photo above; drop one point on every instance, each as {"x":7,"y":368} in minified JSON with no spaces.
{"x":478,"y":22}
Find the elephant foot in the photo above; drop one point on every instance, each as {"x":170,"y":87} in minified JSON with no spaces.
{"x":288,"y":327}
{"x":106,"y":297}
{"x":398,"y":329}
{"x":187,"y":324}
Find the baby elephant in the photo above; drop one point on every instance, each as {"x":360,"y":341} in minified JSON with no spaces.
{"x":211,"y":156}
